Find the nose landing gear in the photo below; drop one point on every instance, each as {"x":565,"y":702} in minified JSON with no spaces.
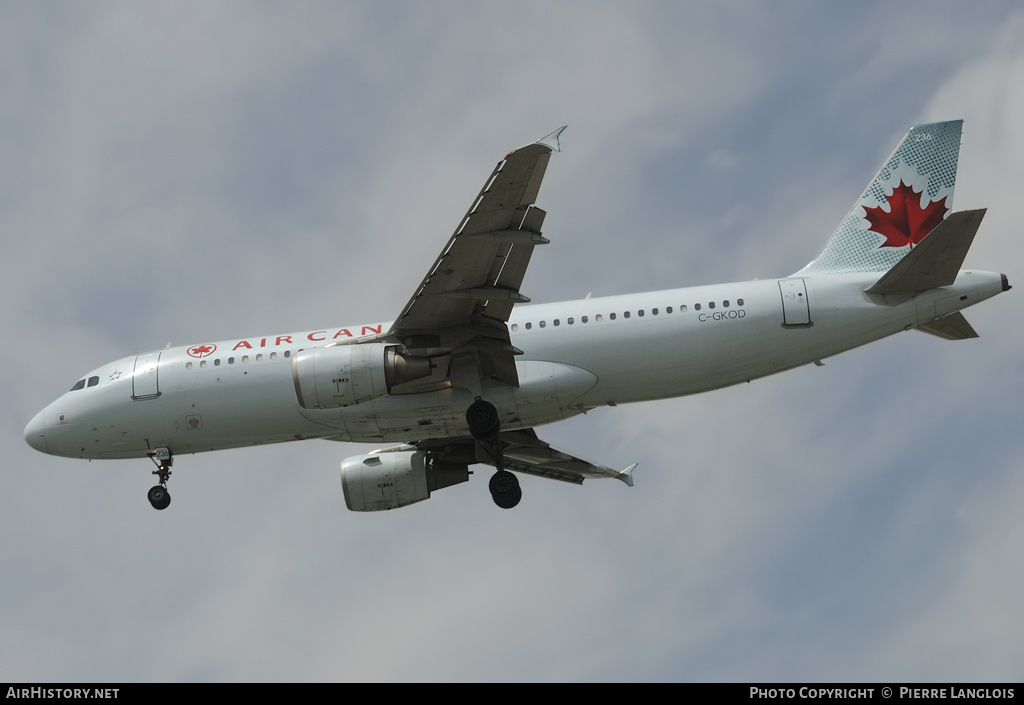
{"x":159,"y":497}
{"x":484,"y":425}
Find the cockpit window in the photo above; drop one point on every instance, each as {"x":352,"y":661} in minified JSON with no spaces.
{"x":82,"y":383}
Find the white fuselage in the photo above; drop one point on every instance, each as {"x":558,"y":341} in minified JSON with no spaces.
{"x":577,"y":355}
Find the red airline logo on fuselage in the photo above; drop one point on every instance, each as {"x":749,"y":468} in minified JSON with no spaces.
{"x":316,"y":336}
{"x":202,"y":350}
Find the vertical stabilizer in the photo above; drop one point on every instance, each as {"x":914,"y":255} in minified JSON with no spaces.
{"x":909,"y":196}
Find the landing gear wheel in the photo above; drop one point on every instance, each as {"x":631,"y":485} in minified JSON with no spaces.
{"x":484,"y":423}
{"x":505,"y":490}
{"x":159,"y":497}
{"x":483,"y":420}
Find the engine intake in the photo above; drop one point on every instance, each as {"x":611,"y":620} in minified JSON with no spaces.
{"x":392,"y":479}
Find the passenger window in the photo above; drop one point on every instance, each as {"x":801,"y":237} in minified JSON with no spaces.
{"x":273,"y":356}
{"x":529,"y":326}
{"x":654,"y":312}
{"x":668,"y":309}
{"x":202,"y":363}
{"x":515,"y":327}
{"x":725,"y":304}
{"x":696,"y":307}
{"x":287,"y":353}
{"x":569,"y":321}
{"x":216,"y":363}
{"x":543,"y":324}
{"x":80,"y":384}
{"x":231,"y":360}
{"x":555,"y":322}
{"x":640,"y":313}
{"x":682,"y":309}
{"x":711,"y":305}
{"x":188,"y":365}
{"x":611,"y":316}
{"x":245,"y":358}
{"x":625,"y":314}
{"x":599,"y":318}
{"x":739,"y":302}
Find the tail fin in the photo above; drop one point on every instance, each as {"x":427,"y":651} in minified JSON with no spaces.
{"x":909,"y":196}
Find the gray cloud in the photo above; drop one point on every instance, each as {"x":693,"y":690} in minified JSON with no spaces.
{"x":185,"y":172}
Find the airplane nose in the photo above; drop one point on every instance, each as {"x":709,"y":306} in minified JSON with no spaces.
{"x":35,"y":433}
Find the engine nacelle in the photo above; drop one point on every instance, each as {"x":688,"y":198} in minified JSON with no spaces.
{"x":343,"y":375}
{"x":392,"y":479}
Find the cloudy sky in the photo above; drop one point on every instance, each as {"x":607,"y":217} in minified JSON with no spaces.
{"x":180,"y":172}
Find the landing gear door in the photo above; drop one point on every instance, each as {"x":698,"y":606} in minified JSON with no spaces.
{"x":145,"y":378}
{"x":795,"y":311}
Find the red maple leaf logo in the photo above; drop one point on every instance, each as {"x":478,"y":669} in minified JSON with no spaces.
{"x":907,"y":222}
{"x":202,"y":350}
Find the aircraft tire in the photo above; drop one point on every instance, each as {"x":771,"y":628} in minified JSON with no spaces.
{"x":510,"y":502}
{"x":483,"y":420}
{"x":159,"y":497}
{"x":505,"y":490}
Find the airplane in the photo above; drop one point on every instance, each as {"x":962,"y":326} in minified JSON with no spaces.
{"x":467,"y":371}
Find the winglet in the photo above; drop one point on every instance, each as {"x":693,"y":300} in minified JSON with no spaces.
{"x":550,"y":140}
{"x":627,"y":474}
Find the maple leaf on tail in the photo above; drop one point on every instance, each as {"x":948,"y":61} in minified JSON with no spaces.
{"x":907,"y":222}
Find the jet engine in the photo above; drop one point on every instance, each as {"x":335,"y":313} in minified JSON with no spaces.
{"x":392,"y":479}
{"x":343,"y":375}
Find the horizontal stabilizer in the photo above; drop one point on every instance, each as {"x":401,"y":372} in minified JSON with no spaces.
{"x":951,"y":327}
{"x":936,"y":260}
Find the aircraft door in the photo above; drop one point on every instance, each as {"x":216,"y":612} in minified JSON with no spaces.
{"x":795,"y":311}
{"x":146,"y":377}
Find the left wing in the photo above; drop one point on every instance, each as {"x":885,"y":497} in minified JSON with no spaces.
{"x":524,"y":452}
{"x":463,"y":304}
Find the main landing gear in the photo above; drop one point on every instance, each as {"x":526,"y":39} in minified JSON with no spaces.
{"x":484,"y":424}
{"x":505,"y":489}
{"x":158,"y":495}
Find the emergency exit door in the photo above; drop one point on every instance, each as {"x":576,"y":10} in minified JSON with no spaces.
{"x":795,"y":311}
